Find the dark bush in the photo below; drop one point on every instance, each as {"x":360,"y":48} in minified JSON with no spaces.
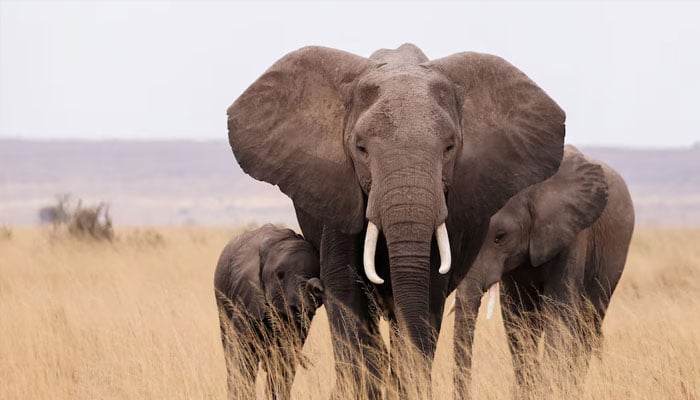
{"x":93,"y":222}
{"x":87,"y":222}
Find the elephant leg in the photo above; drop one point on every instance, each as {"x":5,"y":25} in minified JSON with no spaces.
{"x":281,"y":371}
{"x":572,"y":328}
{"x":467,"y":302}
{"x":240,"y":352}
{"x":600,"y":308}
{"x":242,"y":369}
{"x":395,"y":391}
{"x":593,"y":339}
{"x":585,"y":329}
{"x":358,"y":349}
{"x":599,"y":293}
{"x":285,"y":341}
{"x":520,"y":307}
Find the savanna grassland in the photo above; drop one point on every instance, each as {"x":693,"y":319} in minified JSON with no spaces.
{"x":136,"y":319}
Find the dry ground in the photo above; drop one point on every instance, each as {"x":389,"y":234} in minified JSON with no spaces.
{"x":136,"y":319}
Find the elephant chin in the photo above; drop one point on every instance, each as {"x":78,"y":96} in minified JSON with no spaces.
{"x":372,"y":235}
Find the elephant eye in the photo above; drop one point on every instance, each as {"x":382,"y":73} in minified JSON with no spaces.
{"x":280,"y":275}
{"x":499,"y":237}
{"x":448,"y":150}
{"x":361,"y":148}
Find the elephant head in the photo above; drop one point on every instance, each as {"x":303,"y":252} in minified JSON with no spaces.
{"x":541,"y":221}
{"x":289,"y":276}
{"x":396,"y":144}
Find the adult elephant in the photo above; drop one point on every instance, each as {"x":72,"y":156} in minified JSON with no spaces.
{"x":558,"y":249}
{"x":398,"y":145}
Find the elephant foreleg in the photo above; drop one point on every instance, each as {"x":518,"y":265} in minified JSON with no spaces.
{"x":281,"y":370}
{"x":395,"y":391}
{"x":467,"y":302}
{"x":242,"y":368}
{"x":573,"y":321}
{"x":520,"y":307}
{"x":240,"y":351}
{"x":359,"y":352}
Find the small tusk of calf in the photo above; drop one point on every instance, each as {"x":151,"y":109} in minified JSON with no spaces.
{"x":493,"y":293}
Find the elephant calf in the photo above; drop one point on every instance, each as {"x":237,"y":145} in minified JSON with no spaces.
{"x":267,"y":291}
{"x":558,"y":249}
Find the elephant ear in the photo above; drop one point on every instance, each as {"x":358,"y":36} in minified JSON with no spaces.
{"x":513,"y":134}
{"x":287,"y":129}
{"x":564,"y":205}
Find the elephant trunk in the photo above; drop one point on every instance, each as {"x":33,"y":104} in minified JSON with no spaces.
{"x":409,"y":260}
{"x":410,"y":209}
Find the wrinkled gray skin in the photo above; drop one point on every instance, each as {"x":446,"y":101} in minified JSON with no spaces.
{"x":553,"y":244}
{"x":267,"y":291}
{"x":406,"y":143}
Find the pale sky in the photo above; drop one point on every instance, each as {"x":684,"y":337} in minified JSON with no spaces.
{"x":626,"y":73}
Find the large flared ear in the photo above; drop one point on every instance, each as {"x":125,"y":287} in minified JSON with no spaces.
{"x":287,"y":129}
{"x":513,"y":134}
{"x":564,"y":205}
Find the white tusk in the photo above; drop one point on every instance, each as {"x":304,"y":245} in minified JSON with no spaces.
{"x":444,"y":246}
{"x":368,"y":258}
{"x":493,"y":293}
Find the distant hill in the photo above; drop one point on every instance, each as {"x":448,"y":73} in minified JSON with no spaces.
{"x":182,"y":182}
{"x":159,"y":182}
{"x":665,"y":184}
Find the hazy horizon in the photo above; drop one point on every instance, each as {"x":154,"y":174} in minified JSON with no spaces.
{"x":156,"y":70}
{"x":631,"y":147}
{"x":186,"y":182}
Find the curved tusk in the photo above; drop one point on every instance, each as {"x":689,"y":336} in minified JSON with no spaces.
{"x":370,"y":249}
{"x":444,"y":246}
{"x":493,"y":293}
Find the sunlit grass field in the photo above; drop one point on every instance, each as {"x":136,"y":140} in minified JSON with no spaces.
{"x":136,"y":319}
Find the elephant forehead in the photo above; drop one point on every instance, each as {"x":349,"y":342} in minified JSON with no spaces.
{"x":408,"y":99}
{"x":511,"y":215}
{"x":413,"y":119}
{"x":402,"y":78}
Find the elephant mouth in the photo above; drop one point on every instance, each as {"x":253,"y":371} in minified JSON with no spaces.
{"x":370,"y":248}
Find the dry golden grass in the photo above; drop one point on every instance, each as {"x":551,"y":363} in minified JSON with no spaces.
{"x":136,"y":319}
